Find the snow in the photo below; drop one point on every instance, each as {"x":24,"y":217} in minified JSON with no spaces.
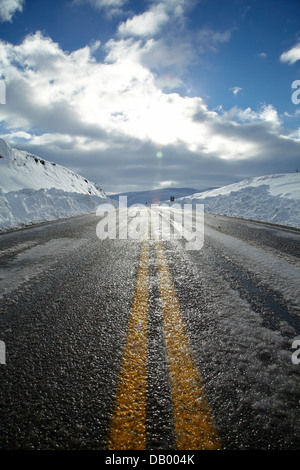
{"x":153,"y":196}
{"x":35,"y":190}
{"x":269,"y":198}
{"x":22,"y":170}
{"x":278,"y":272}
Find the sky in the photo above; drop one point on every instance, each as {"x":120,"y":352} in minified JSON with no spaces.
{"x":150,"y":94}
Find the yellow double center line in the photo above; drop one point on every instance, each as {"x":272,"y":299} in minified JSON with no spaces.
{"x":128,"y":426}
{"x":193,"y":421}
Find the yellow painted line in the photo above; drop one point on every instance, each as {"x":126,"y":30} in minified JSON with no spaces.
{"x":193,"y":420}
{"x":128,"y":425}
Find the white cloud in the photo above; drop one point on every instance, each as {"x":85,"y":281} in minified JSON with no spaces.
{"x":166,"y":55}
{"x":270,"y":115}
{"x":209,"y":39}
{"x":112,"y":7}
{"x":103,"y":3}
{"x":266,"y":115}
{"x":169,"y":82}
{"x":168,"y":184}
{"x":9,"y":7}
{"x":167,"y":51}
{"x":158,"y":40}
{"x":235,"y":90}
{"x":145,"y":24}
{"x":178,"y":7}
{"x":262,"y":55}
{"x":68,"y":102}
{"x":292,"y":55}
{"x":108,"y":3}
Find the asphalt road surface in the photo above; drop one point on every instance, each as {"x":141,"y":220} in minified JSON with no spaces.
{"x":148,"y":342}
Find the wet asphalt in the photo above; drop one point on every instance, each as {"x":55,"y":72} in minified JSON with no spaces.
{"x":64,"y":320}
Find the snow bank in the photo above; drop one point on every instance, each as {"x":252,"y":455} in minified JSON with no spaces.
{"x":20,"y":208}
{"x":270,"y":198}
{"x":34,"y":190}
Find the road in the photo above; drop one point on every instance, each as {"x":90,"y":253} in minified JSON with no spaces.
{"x":146,"y":344}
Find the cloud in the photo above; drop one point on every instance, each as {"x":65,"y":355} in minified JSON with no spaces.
{"x":9,"y":7}
{"x":159,"y":40}
{"x":239,"y":134}
{"x":209,"y":39}
{"x":150,"y":22}
{"x":167,"y":51}
{"x":262,"y":55}
{"x":146,"y":24}
{"x":107,"y":120}
{"x":292,"y":55}
{"x":235,"y":90}
{"x":108,"y":3}
{"x":112,"y":7}
{"x":99,"y":4}
{"x":177,"y":7}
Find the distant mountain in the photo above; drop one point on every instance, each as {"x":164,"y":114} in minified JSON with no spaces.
{"x":156,"y":195}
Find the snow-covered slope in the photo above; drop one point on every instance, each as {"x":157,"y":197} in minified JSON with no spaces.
{"x":22,"y":170}
{"x":269,"y":198}
{"x":35,"y":190}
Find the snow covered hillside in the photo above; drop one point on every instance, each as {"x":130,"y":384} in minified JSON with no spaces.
{"x":35,"y":190}
{"x":269,"y":198}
